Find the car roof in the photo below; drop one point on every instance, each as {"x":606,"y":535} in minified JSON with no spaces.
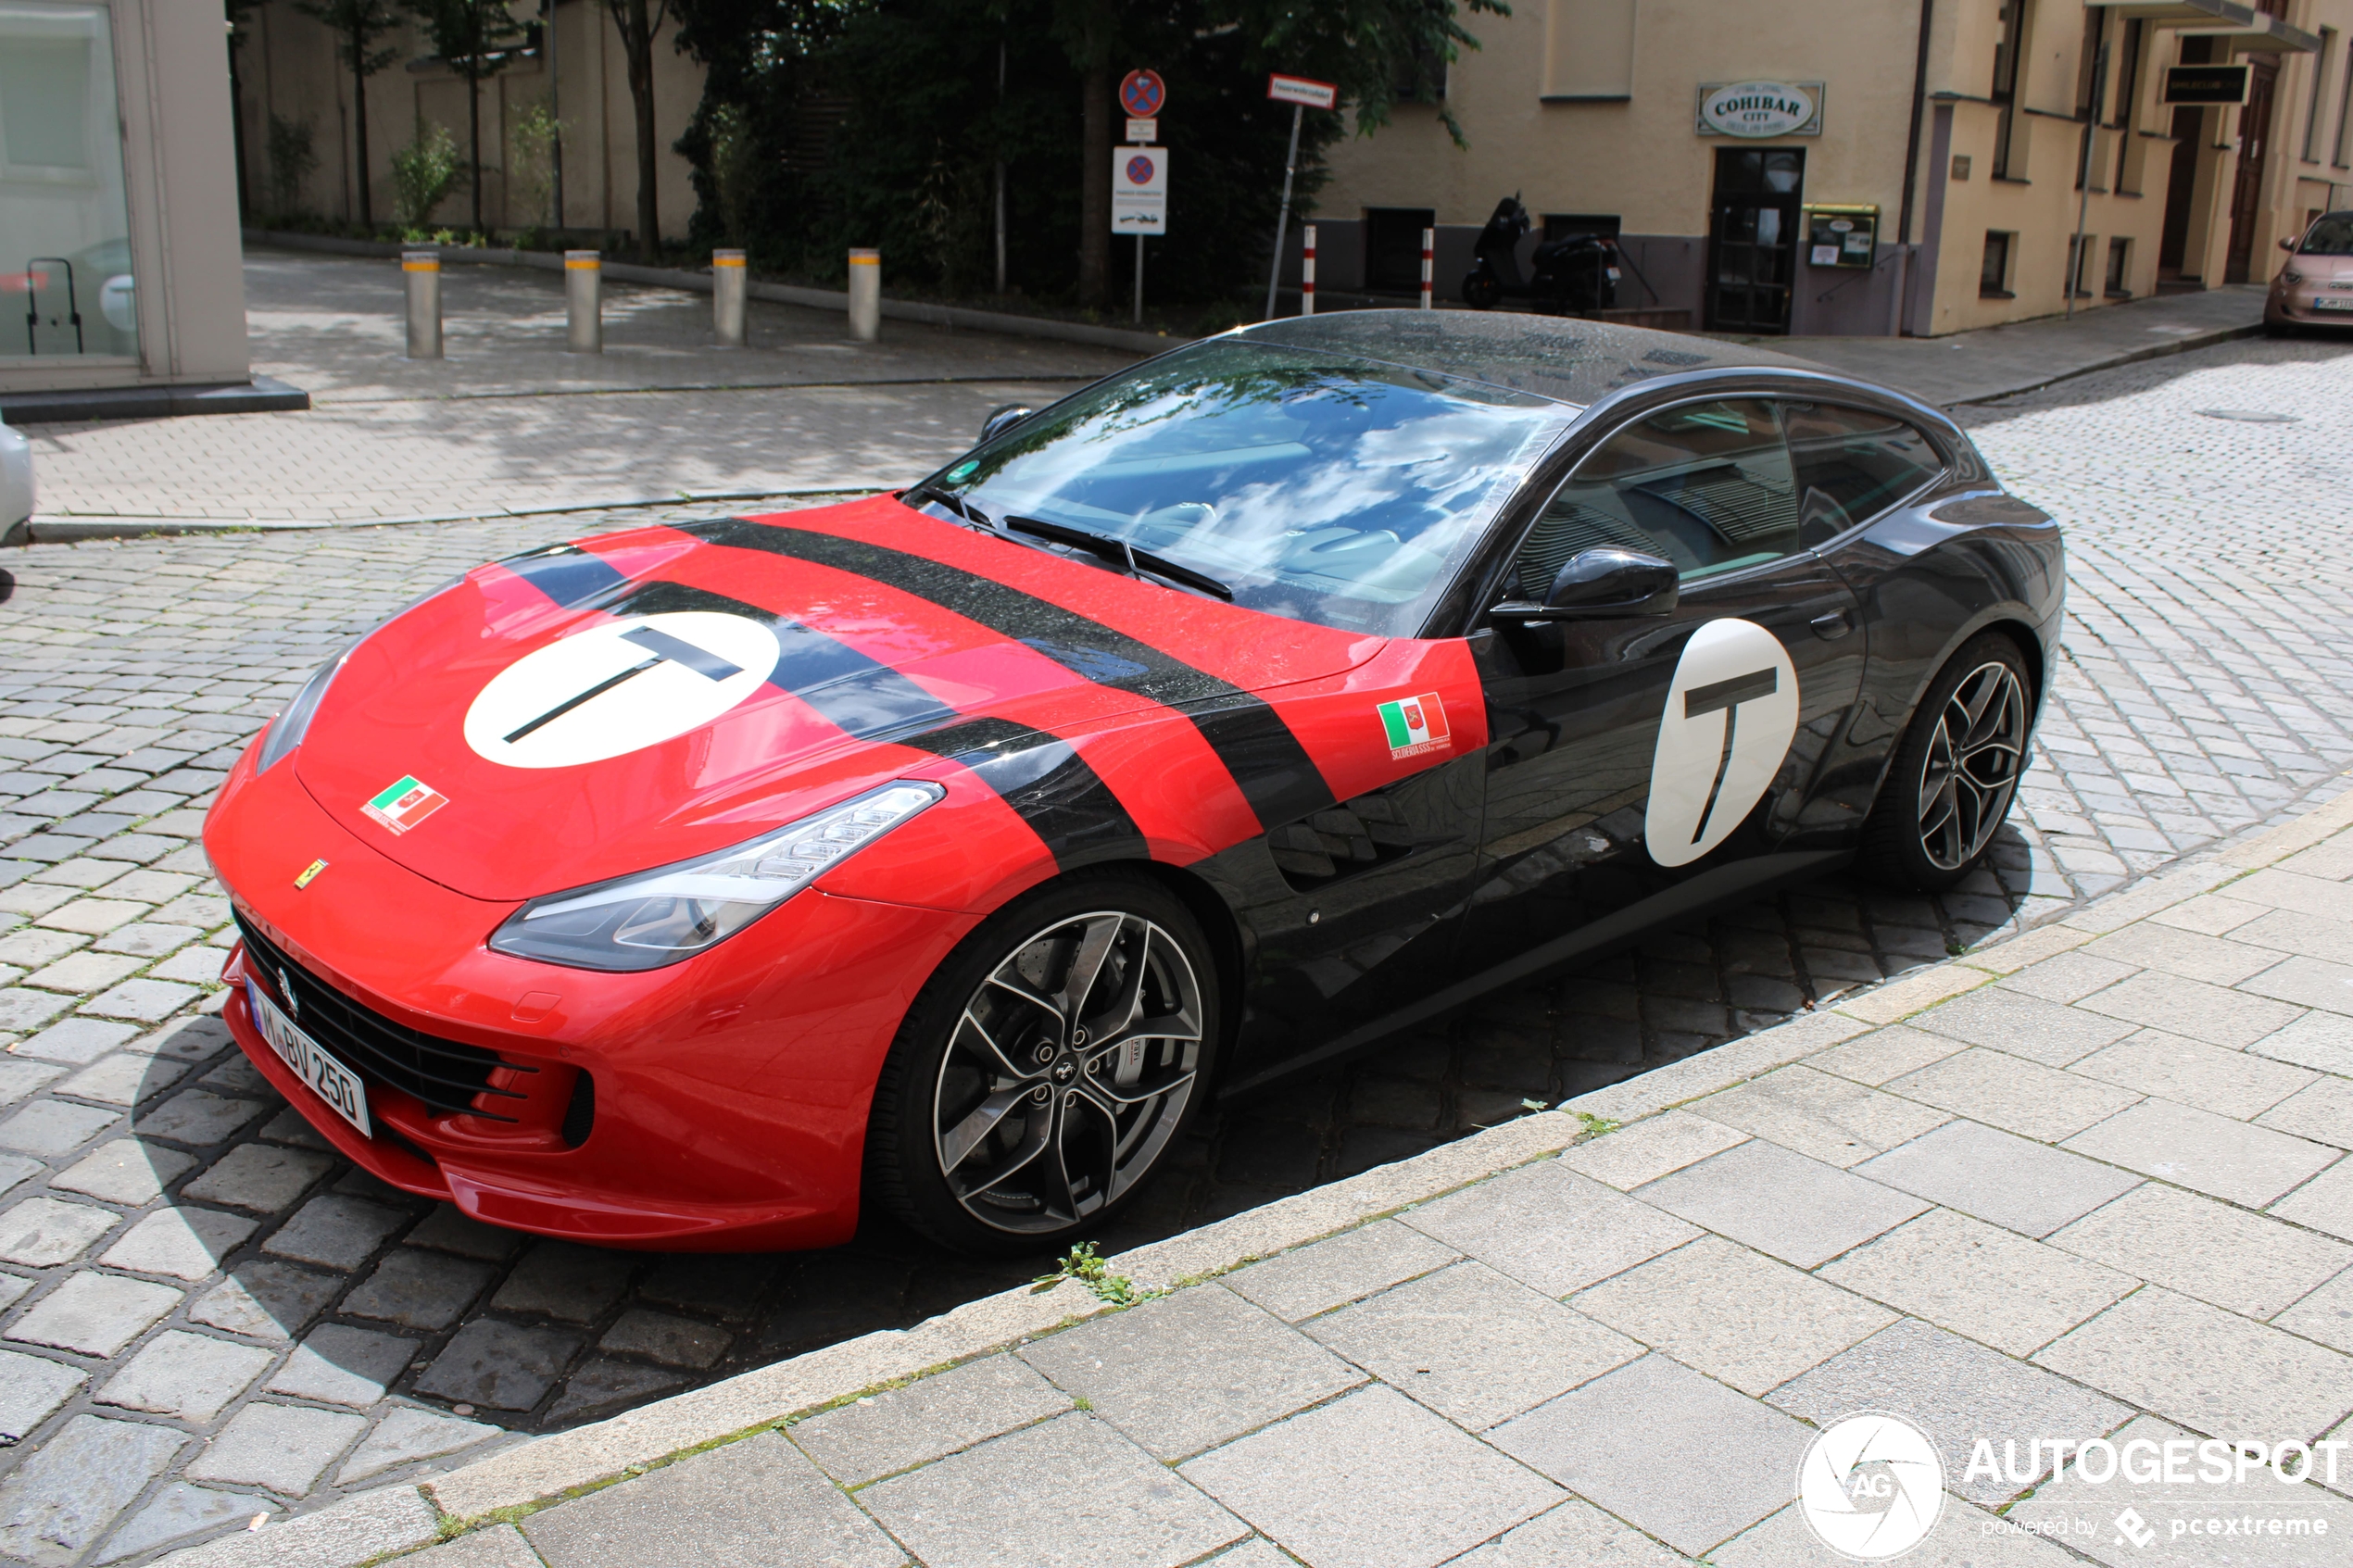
{"x":1567,"y":358}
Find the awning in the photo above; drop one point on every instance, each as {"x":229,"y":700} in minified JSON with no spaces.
{"x":2242,"y":28}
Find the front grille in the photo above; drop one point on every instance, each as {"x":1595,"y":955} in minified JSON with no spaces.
{"x":446,"y":1075}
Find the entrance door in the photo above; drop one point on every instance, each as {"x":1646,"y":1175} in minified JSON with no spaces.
{"x":2255,"y":143}
{"x":1751,"y":238}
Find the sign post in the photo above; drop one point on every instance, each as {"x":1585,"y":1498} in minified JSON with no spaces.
{"x":1140,"y":171}
{"x":1302,"y":93}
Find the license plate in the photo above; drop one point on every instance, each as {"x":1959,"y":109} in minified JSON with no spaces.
{"x":2333,"y":305}
{"x":334,"y":1082}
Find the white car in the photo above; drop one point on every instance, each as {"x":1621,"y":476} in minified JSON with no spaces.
{"x":15,"y":479}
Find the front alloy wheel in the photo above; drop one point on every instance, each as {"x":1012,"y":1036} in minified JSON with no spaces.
{"x":1957,"y":770}
{"x":1076,"y":1050}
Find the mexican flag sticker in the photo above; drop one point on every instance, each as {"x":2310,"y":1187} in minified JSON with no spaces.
{"x":1415,"y":724}
{"x":403,"y":805}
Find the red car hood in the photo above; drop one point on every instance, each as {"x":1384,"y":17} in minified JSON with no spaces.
{"x":889,"y":626}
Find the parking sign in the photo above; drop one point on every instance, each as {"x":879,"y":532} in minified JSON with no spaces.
{"x":1139,"y":191}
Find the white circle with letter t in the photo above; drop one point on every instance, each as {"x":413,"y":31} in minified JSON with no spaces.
{"x":1731,"y":712}
{"x":1871,"y":1487}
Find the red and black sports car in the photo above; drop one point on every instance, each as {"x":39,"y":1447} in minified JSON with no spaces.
{"x":677,"y":887}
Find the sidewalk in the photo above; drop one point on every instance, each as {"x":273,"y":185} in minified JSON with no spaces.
{"x":2087,"y":1186}
{"x":508,"y":424}
{"x":2004,"y":361}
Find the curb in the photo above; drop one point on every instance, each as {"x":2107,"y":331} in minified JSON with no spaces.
{"x":78,"y":529}
{"x":545,"y":1470}
{"x":1001,"y":322}
{"x":2138,"y":355}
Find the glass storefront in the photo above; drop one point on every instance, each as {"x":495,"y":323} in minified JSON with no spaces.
{"x":65,"y":233}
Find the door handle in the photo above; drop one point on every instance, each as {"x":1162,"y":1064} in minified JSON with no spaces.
{"x":1834,"y":626}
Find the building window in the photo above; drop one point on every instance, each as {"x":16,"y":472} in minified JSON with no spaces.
{"x":2128,"y":74}
{"x":2017,"y":22}
{"x":2319,"y":90}
{"x":1393,"y":247}
{"x":2081,"y":248}
{"x":65,"y":228}
{"x":2119,"y":268}
{"x":1993,"y":276}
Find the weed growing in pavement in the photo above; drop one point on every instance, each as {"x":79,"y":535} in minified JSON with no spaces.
{"x":1081,"y":1264}
{"x":1596,"y":1126}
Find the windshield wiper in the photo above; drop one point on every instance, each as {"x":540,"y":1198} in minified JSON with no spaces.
{"x":954,"y":503}
{"x":1120,"y":552}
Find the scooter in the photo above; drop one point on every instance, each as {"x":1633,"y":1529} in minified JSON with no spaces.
{"x":1579,"y":273}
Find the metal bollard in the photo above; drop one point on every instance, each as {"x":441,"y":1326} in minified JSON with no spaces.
{"x":422,"y":271}
{"x":584,"y":302}
{"x":727,"y":286}
{"x":1429,"y":251}
{"x":1307,"y":271}
{"x":865,"y":295}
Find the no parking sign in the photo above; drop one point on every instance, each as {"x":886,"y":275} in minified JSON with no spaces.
{"x":1140,"y":190}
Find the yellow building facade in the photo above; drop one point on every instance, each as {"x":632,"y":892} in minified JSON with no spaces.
{"x":1867,"y":166}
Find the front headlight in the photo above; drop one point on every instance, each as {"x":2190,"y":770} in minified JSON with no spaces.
{"x":2291,"y":277}
{"x":672,"y":912}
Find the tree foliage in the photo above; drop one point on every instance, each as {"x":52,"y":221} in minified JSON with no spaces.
{"x":832,"y":123}
{"x":476,"y":39}
{"x":357,"y":24}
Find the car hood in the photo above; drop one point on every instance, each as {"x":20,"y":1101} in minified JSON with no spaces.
{"x":2322,"y":269}
{"x":593,"y":709}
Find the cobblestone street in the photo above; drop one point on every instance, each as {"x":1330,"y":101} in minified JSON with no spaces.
{"x":207,"y":1316}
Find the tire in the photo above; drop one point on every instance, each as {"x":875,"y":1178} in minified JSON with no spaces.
{"x":1957,"y":770}
{"x":2279,"y":329}
{"x":1012,"y":1118}
{"x":1482,"y":291}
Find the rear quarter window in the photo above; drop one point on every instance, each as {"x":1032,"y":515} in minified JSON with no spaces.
{"x":1850,"y":465}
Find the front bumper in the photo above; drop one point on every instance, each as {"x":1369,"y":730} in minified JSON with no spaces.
{"x":726,"y":1097}
{"x":2312,"y":304}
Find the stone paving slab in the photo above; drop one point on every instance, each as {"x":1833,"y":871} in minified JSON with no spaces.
{"x":136,"y":669}
{"x":1708,"y":1367}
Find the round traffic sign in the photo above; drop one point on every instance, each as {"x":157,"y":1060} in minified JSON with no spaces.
{"x":1140,"y":170}
{"x":1142,"y":94}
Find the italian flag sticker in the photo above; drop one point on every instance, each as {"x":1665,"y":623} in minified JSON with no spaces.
{"x":403,"y":805}
{"x":1415,"y":724}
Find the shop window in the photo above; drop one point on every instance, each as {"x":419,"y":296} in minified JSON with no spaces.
{"x":1852,"y":465}
{"x":1393,"y":247}
{"x":1705,"y":485}
{"x":1994,"y":273}
{"x":65,"y":231}
{"x":2119,"y":268}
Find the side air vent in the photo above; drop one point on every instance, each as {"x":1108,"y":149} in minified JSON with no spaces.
{"x":1352,"y":836}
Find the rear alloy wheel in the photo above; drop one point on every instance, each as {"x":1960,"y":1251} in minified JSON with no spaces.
{"x":1048,"y":1068}
{"x":1955,"y":773}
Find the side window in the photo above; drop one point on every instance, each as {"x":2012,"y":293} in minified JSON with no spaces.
{"x":1851,"y":466}
{"x":1705,"y":485}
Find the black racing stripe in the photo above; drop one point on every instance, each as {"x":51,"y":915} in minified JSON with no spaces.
{"x":859,"y":696}
{"x":566,"y":574}
{"x":1268,"y":765}
{"x":1074,"y":813}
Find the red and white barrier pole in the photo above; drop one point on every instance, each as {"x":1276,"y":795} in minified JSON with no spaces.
{"x":1429,"y":248}
{"x":1307,"y":271}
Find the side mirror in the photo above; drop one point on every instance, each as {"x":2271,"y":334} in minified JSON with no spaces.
{"x":1002,"y":418}
{"x":1598,"y":585}
{"x":2288,"y":245}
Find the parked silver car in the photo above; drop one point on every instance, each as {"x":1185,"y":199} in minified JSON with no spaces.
{"x":2316,"y":286}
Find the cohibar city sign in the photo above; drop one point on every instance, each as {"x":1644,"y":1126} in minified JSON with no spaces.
{"x":1757,"y":109}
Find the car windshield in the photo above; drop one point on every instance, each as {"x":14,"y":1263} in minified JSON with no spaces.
{"x":2332,"y":235}
{"x":1314,"y":483}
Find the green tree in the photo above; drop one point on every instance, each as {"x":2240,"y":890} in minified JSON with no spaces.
{"x":638,"y":25}
{"x":473,"y":38}
{"x":357,"y":25}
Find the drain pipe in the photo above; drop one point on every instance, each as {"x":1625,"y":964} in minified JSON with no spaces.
{"x":1912,"y":160}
